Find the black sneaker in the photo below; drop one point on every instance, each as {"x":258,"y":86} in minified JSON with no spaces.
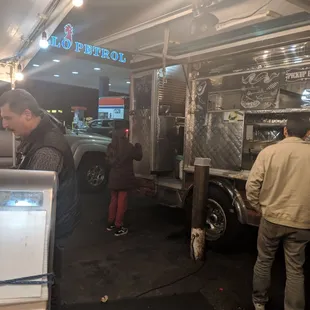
{"x":111,"y":227}
{"x":121,"y":232}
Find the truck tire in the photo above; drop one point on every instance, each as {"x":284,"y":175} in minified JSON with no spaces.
{"x":91,"y":173}
{"x":223,"y":229}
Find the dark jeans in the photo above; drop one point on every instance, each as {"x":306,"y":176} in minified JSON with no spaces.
{"x":58,"y":269}
{"x":294,"y":242}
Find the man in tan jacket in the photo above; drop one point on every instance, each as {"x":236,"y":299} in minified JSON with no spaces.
{"x":278,"y":188}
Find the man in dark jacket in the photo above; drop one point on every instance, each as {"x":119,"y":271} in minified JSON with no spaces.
{"x":43,"y":147}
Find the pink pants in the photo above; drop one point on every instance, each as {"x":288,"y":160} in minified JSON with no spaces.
{"x":118,"y":207}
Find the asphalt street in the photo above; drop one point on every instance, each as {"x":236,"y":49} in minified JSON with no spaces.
{"x":98,"y":264}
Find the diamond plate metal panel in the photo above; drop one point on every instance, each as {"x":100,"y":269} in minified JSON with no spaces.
{"x":208,"y":135}
{"x":224,"y":141}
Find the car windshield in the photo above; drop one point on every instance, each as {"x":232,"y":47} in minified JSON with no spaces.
{"x":96,"y":124}
{"x":107,"y":123}
{"x":123,"y":124}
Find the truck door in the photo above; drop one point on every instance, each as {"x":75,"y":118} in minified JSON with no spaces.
{"x":169,"y":109}
{"x":142,"y":91}
{"x":157,"y":103}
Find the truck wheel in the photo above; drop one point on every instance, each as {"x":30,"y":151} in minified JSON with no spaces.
{"x":222,"y":226}
{"x":91,"y":173}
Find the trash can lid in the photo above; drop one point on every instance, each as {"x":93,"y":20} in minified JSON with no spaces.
{"x":202,"y":161}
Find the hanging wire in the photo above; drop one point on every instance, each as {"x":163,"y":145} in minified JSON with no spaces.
{"x":247,"y":16}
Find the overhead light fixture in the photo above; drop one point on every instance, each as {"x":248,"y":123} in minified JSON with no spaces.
{"x":128,"y":82}
{"x":97,"y":69}
{"x":198,"y":8}
{"x":56,"y":60}
{"x":204,"y":22}
{"x":56,"y":75}
{"x":43,"y":42}
{"x":110,"y":84}
{"x":75,"y":72}
{"x":19,"y":76}
{"x":35,"y":65}
{"x":77,"y":3}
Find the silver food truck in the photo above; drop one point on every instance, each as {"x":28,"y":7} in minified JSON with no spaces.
{"x":226,"y":108}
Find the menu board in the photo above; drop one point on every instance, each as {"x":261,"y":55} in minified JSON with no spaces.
{"x":260,"y":89}
{"x":297,"y":74}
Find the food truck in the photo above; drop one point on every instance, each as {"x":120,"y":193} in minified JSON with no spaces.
{"x":213,"y":79}
{"x":226,"y":108}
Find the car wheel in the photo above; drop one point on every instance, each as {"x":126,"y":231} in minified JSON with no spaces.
{"x":223,"y":229}
{"x":91,"y":173}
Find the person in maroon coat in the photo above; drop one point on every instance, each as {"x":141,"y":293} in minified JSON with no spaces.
{"x":121,"y":179}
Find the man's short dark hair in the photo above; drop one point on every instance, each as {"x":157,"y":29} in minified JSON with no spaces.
{"x":297,"y":126}
{"x":20,"y":100}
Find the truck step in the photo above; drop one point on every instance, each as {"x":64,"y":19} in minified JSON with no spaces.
{"x":169,"y":196}
{"x":174,"y":184}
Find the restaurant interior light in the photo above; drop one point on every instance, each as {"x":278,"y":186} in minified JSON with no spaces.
{"x":305,"y":97}
{"x":43,"y":41}
{"x":77,"y":3}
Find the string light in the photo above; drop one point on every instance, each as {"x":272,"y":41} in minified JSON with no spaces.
{"x":77,"y":3}
{"x":19,"y":76}
{"x":43,"y":41}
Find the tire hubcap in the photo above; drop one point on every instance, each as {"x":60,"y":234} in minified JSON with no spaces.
{"x":216,"y":221}
{"x":95,"y":175}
